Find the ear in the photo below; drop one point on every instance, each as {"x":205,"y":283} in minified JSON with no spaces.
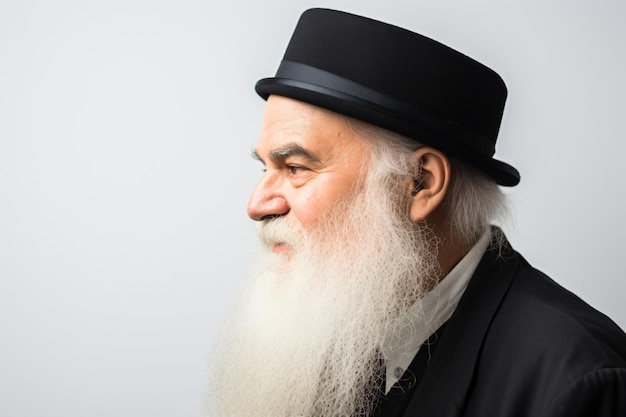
{"x":431,"y":185}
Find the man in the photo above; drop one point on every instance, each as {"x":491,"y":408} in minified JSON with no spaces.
{"x":381,"y":288}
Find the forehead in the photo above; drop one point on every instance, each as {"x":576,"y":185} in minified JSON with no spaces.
{"x":325,"y":134}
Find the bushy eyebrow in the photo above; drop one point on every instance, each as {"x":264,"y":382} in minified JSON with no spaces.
{"x":286,"y":151}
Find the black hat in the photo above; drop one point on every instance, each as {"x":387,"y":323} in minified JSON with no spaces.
{"x":398,"y":80}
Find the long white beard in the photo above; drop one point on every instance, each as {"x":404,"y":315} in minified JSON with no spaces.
{"x":308,"y":335}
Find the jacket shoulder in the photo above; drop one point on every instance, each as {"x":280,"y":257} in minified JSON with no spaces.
{"x":546,"y":349}
{"x":601,"y":392}
{"x":547,"y":318}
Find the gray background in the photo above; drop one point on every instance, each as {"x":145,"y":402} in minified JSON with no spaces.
{"x":125,"y":134}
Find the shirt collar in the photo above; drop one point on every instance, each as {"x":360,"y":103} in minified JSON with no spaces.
{"x":426,"y":317}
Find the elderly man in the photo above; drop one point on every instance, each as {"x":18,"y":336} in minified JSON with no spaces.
{"x":382,"y":289}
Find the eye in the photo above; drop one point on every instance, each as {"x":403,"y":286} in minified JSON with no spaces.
{"x":294,"y":169}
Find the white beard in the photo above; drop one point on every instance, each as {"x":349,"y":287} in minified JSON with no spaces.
{"x":307,"y":338}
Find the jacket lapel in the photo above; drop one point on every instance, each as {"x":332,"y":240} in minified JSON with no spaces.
{"x":447,"y":379}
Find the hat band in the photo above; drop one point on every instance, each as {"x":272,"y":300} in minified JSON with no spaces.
{"x":303,"y":73}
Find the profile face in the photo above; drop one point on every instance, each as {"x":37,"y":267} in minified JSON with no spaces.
{"x":328,"y":306}
{"x":313,"y":160}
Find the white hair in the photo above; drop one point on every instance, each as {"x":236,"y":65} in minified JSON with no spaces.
{"x":313,"y":328}
{"x":310,"y":334}
{"x":474,"y":199}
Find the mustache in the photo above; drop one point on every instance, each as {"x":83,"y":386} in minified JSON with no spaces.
{"x":279,"y":231}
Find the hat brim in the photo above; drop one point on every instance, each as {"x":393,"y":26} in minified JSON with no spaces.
{"x":381,"y":111}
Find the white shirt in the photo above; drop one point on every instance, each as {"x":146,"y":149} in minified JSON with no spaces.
{"x":436,"y":308}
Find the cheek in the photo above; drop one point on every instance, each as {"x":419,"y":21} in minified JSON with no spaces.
{"x":309,"y":208}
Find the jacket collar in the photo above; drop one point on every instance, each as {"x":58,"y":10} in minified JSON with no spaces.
{"x":445,"y":384}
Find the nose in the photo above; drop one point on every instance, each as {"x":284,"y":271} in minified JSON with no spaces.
{"x":266,"y":202}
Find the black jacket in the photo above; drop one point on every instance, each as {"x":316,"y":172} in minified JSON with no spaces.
{"x":519,"y":344}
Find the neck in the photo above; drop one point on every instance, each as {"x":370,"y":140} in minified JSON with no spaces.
{"x":451,"y":249}
{"x":450,"y":253}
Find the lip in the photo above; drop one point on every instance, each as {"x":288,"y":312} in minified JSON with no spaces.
{"x":280,"y":247}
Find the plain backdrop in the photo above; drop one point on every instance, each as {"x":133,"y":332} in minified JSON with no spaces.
{"x":125,"y":136}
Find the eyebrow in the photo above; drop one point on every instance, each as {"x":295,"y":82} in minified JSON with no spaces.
{"x":286,"y":151}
